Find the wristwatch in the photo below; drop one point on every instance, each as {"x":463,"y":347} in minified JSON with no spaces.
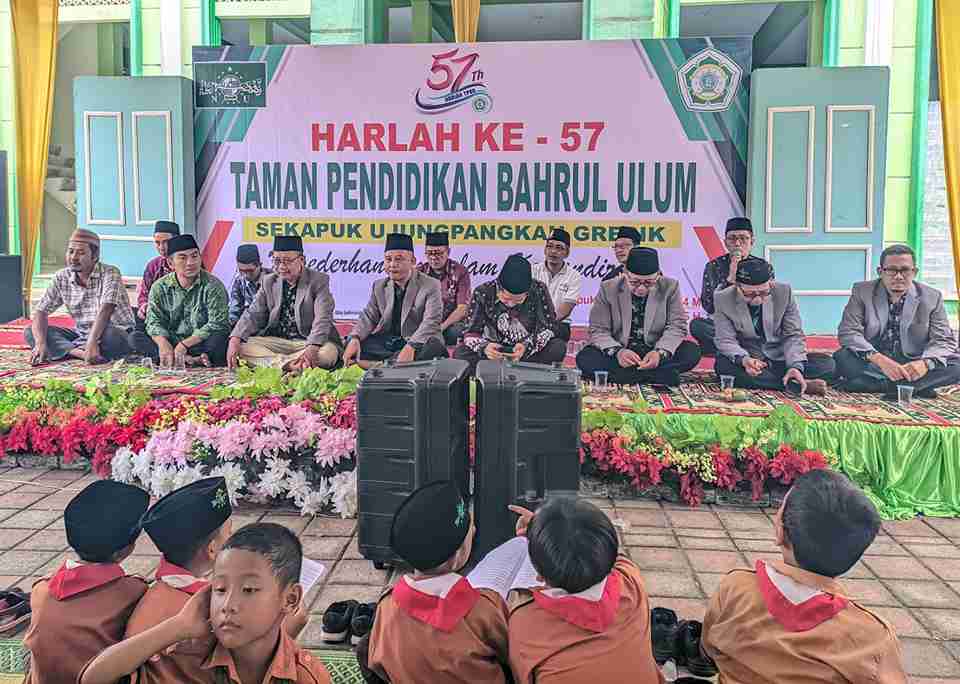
{"x":664,"y":354}
{"x":613,"y":351}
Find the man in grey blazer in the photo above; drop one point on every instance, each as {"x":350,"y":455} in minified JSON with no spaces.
{"x":637,"y":327}
{"x":759,"y":337}
{"x":290,"y":322}
{"x":895,"y":331}
{"x":402,"y":319}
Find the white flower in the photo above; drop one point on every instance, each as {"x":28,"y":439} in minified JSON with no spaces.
{"x":187,"y":475}
{"x":297,"y":487}
{"x":236,"y":479}
{"x":162,"y":481}
{"x":314,"y":502}
{"x":121,"y":465}
{"x":142,"y":466}
{"x":273,"y":481}
{"x":344,"y":487}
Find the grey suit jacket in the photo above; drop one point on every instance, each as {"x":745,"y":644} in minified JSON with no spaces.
{"x":925,"y":331}
{"x":314,"y":309}
{"x":421,"y":315}
{"x":782,"y":326}
{"x":664,"y":319}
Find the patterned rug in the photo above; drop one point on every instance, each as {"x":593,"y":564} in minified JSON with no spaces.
{"x":701,"y":394}
{"x":341,"y":664}
{"x":15,"y":369}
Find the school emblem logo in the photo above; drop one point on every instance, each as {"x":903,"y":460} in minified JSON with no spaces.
{"x":230,"y":84}
{"x":455,"y":79}
{"x":461,"y":514}
{"x":220,"y":499}
{"x":709,"y":81}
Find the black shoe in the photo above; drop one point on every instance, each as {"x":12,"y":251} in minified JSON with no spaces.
{"x":362,"y":622}
{"x":863,"y":385}
{"x":336,"y":621}
{"x":688,"y":650}
{"x":663,"y":633}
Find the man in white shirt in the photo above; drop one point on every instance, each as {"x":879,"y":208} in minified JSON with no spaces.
{"x":562,"y":281}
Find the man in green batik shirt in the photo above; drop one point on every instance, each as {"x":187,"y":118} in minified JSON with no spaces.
{"x":187,"y":312}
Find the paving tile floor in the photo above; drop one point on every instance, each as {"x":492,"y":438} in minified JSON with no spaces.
{"x":910,"y":575}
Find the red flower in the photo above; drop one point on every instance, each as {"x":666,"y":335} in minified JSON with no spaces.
{"x":728,"y":477}
{"x":691,"y":488}
{"x":755,"y":470}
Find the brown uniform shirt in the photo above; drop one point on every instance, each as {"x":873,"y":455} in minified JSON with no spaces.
{"x":78,"y":612}
{"x":163,"y":600}
{"x":761,"y":628}
{"x":550,"y":645}
{"x":291,"y":665}
{"x":455,"y":635}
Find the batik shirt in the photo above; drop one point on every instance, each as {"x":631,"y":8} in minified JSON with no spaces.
{"x":454,"y":285}
{"x":533,"y":323}
{"x":888,"y":343}
{"x":637,"y":343}
{"x":286,"y":326}
{"x":242,"y":293}
{"x":156,"y":269}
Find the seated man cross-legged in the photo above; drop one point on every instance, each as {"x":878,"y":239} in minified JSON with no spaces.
{"x":401,"y":322}
{"x":511,"y":318}
{"x":93,"y":295}
{"x":895,"y":331}
{"x":760,"y":340}
{"x":637,"y":326}
{"x":187,"y":317}
{"x":290,"y":322}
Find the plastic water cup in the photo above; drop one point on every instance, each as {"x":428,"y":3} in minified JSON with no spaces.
{"x":147,"y":363}
{"x":179,"y":364}
{"x":904,"y":394}
{"x":600,"y":380}
{"x":726,"y":382}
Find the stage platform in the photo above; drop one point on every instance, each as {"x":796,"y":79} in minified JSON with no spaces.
{"x":906,"y":457}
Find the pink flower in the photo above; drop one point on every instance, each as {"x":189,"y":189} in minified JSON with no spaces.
{"x":234,"y":440}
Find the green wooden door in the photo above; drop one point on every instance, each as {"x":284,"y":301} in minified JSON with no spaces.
{"x":818,"y":148}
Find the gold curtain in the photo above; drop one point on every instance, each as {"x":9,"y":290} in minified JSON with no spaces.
{"x":948,"y":28}
{"x":34,"y":68}
{"x":466,"y":18}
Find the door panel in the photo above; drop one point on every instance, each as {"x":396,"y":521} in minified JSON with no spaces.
{"x":134,"y":162}
{"x":816,"y":180}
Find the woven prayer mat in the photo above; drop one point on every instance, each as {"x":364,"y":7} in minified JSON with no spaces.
{"x":341,"y":664}
{"x":15,"y":369}
{"x":698,"y":394}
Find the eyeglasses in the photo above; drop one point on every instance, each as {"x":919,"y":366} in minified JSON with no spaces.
{"x":285,"y":261}
{"x":738,"y":238}
{"x":436,"y":252}
{"x":754,"y":295}
{"x":902,"y":272}
{"x":648,"y":282}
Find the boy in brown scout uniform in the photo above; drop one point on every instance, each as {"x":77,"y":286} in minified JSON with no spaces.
{"x":433,"y":626}
{"x":255,"y":586}
{"x":790,"y":621}
{"x":188,"y":526}
{"x":83,"y":608}
{"x":592,"y":622}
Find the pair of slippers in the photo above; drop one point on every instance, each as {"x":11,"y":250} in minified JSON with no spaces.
{"x":347,"y":621}
{"x":14,"y":612}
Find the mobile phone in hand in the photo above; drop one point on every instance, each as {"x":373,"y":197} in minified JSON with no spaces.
{"x":506,"y":348}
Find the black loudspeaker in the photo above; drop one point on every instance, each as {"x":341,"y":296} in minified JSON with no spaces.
{"x":11,"y":303}
{"x":527,"y":443}
{"x":4,"y":206}
{"x":412,"y":427}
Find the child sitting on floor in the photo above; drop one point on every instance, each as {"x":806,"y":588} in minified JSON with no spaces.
{"x":255,"y":585}
{"x":434,"y":626}
{"x":188,"y":526}
{"x":592,"y":622}
{"x":791,"y":621}
{"x":84,"y":607}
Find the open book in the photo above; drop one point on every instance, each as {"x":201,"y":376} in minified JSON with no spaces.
{"x":506,"y":568}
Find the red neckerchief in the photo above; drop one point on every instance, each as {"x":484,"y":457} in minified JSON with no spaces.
{"x":594,"y":616}
{"x":75,"y":578}
{"x":797,"y":617}
{"x":178,"y":578}
{"x":443,"y":613}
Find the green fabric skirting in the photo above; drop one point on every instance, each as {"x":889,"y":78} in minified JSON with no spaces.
{"x":904,"y":470}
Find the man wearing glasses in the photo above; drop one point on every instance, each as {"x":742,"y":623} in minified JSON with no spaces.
{"x":290,"y":322}
{"x":511,"y":318}
{"x":718,"y":274}
{"x":627,"y":238}
{"x":637,"y":326}
{"x":760,"y":340}
{"x":454,"y":285}
{"x":895,"y":331}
